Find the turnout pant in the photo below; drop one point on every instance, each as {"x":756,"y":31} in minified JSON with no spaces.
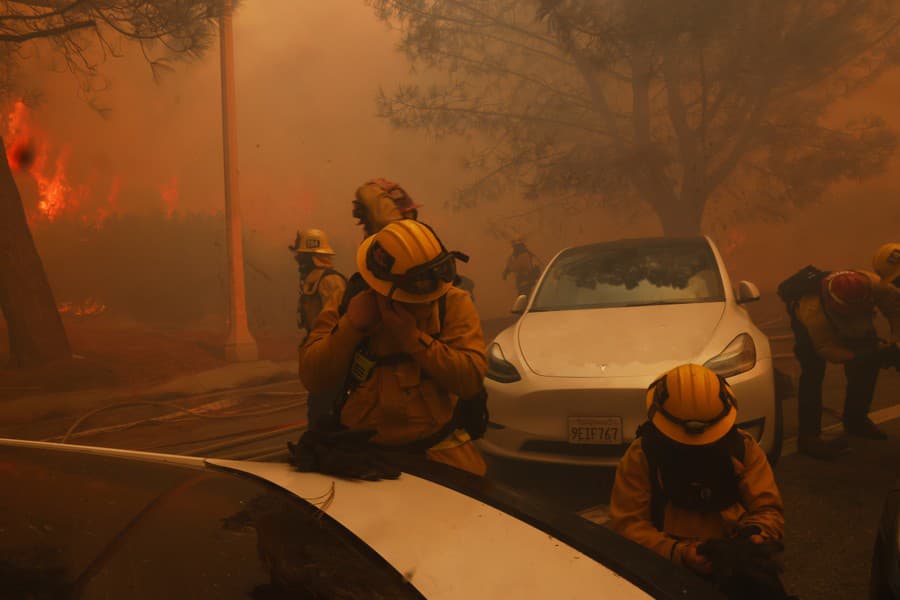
{"x":861,"y":373}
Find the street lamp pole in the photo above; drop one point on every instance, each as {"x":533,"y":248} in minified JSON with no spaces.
{"x":239,"y":344}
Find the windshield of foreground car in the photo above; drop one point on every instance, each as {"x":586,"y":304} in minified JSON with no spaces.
{"x":631,"y":273}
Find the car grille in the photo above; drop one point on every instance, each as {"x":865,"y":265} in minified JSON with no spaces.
{"x":554,"y":447}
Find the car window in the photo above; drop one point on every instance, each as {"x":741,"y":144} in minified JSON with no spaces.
{"x":137,"y":530}
{"x":631,"y":273}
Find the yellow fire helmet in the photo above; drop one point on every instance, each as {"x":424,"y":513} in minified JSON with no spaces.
{"x":407,"y":262}
{"x":312,"y":241}
{"x":887,"y":262}
{"x":692,"y":405}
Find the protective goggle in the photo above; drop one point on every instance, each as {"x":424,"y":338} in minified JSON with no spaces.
{"x":690,"y":426}
{"x":421,"y":280}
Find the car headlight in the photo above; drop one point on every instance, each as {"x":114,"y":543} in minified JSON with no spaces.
{"x":498,"y":368}
{"x":737,"y":357}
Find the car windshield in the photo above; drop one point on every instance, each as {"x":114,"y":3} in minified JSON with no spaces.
{"x":631,"y":273}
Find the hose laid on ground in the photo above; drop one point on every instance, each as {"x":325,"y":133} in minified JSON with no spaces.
{"x":174,"y":408}
{"x":230,"y":443}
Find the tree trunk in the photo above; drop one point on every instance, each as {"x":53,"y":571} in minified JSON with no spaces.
{"x":36,"y":333}
{"x":681,"y":218}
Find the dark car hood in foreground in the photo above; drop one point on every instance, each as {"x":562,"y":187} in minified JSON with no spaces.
{"x":90,"y":523}
{"x":88,"y":526}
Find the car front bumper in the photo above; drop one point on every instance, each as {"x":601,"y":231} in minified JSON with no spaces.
{"x":529,"y":418}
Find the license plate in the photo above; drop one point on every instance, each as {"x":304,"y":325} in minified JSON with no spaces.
{"x":595,"y":430}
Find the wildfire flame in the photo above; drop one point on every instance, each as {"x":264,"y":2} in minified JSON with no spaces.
{"x":20,"y":151}
{"x":169,"y":194}
{"x":734,"y":239}
{"x":54,"y":191}
{"x":88,"y":307}
{"x":28,"y":151}
{"x":24,"y":154}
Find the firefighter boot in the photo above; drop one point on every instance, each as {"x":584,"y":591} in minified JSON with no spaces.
{"x":818,"y":448}
{"x":865,"y":429}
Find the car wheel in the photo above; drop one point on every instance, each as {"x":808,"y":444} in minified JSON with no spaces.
{"x":775,"y":453}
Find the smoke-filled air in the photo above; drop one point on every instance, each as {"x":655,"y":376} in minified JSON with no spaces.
{"x":573,"y":259}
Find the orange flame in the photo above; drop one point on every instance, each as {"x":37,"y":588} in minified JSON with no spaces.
{"x":20,"y":152}
{"x":734,"y":239}
{"x":54,"y":191}
{"x":169,"y":194}
{"x":89,"y":307}
{"x":23,"y":155}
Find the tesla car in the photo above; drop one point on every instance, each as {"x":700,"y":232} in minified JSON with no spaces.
{"x":567,"y":381}
{"x":885,"y":583}
{"x":84,"y":522}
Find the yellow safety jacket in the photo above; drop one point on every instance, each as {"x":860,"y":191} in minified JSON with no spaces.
{"x":839,"y":338}
{"x":414,"y":397}
{"x":629,"y":509}
{"x":317,"y":289}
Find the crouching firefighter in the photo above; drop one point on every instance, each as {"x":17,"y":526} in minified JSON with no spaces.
{"x":832,"y":316}
{"x":697,"y":490}
{"x":403,"y":357}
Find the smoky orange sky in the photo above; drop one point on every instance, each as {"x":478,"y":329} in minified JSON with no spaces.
{"x":307,"y":74}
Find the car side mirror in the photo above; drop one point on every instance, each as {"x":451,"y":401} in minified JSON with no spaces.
{"x":747,"y":292}
{"x":519,"y":305}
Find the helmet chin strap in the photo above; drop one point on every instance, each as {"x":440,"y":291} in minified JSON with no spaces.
{"x":390,"y":296}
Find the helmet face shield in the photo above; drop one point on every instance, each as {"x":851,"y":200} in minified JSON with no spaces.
{"x":421,"y":280}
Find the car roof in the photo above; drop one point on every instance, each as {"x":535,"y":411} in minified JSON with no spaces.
{"x":455,"y":535}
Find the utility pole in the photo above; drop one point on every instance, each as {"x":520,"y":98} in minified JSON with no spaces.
{"x":239,"y":344}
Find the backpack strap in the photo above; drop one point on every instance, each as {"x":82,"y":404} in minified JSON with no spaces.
{"x":326,"y":273}
{"x":442,"y":314}
{"x":355,"y":285}
{"x":737,"y":447}
{"x":658,"y":496}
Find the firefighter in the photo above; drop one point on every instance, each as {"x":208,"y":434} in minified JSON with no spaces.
{"x":412,"y":344}
{"x":524,"y":265}
{"x":379,"y":202}
{"x":834,"y":323}
{"x":886,"y":263}
{"x":691,"y":476}
{"x":320,"y":283}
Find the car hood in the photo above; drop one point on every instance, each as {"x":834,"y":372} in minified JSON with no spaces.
{"x":616,"y":342}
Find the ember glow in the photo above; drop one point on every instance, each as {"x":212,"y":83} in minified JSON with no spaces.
{"x":89,"y":307}
{"x":169,"y":193}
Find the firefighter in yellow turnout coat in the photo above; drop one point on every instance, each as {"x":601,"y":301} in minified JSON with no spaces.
{"x":412,"y":342}
{"x":691,"y":475}
{"x":320,"y":283}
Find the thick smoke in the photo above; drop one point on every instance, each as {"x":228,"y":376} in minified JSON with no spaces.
{"x":307,"y":75}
